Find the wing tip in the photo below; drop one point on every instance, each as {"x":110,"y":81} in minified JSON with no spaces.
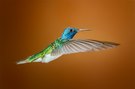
{"x":113,"y":43}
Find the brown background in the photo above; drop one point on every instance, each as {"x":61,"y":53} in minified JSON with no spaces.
{"x":28,"y":26}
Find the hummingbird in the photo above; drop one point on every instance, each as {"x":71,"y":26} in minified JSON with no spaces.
{"x":66,"y":45}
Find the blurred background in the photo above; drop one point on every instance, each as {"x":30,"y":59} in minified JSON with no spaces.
{"x":28,"y":26}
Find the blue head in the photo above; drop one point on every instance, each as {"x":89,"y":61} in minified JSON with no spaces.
{"x":69,"y":33}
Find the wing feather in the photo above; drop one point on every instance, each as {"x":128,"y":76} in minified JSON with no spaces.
{"x":75,"y":46}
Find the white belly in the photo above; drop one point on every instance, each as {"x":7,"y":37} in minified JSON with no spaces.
{"x":49,"y":57}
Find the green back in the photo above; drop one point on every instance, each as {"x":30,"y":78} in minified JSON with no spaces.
{"x":58,"y":43}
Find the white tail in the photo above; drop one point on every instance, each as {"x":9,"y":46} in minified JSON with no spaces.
{"x":22,"y":62}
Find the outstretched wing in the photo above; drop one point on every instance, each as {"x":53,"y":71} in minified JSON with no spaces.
{"x":75,"y":46}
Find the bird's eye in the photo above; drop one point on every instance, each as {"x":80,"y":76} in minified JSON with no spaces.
{"x":71,"y":30}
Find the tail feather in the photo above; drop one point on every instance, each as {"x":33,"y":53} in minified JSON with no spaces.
{"x":27,"y":61}
{"x":22,"y":62}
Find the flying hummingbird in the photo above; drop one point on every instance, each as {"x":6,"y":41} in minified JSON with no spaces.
{"x":66,"y":45}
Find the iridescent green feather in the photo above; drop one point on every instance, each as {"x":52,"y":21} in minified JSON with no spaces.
{"x":55,"y":45}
